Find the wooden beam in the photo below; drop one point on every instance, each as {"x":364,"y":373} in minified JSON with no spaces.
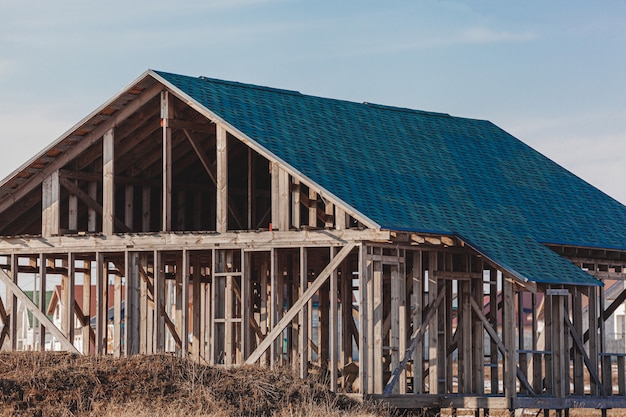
{"x":17,"y":291}
{"x":306,"y":296}
{"x":221,"y":222}
{"x":51,"y":196}
{"x":108,"y":183}
{"x":166,"y":113}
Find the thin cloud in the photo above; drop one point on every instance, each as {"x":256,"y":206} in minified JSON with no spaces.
{"x":469,"y":36}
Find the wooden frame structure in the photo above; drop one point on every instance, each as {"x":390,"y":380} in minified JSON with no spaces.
{"x":215,"y":245}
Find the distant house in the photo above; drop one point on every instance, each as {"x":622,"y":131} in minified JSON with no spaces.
{"x":55,"y":308}
{"x":28,"y":326}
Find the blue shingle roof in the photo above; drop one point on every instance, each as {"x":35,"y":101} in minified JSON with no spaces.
{"x":427,"y":172}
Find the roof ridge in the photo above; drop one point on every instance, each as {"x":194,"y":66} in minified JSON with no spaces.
{"x":252,"y":86}
{"x":405,"y":110}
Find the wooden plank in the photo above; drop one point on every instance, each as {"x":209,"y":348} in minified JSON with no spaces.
{"x":593,"y":340}
{"x":508,"y":331}
{"x":284,"y":200}
{"x":108,"y":183}
{"x":196,"y":334}
{"x":578,"y":361}
{"x":101,"y":305}
{"x":295,"y":204}
{"x":417,"y":277}
{"x":30,"y":305}
{"x":329,"y":210}
{"x":333,"y":326}
{"x":245,"y":306}
{"x":192,"y":241}
{"x":396,"y":287}
{"x":86,"y":310}
{"x":184,"y":312}
{"x":306,"y":296}
{"x":478,"y":338}
{"x":132,"y":326}
{"x":92,"y":219}
{"x":222,"y":180}
{"x":159,"y":301}
{"x":166,"y":210}
{"x":72,"y":213}
{"x":50,"y":215}
{"x":117,"y":316}
{"x":129,"y":205}
{"x":466,"y":366}
{"x":433,"y":336}
{"x":303,"y":341}
{"x":364,"y":340}
{"x":146,"y":195}
{"x":71,"y":297}
{"x":378,"y":326}
{"x":275,"y":195}
{"x":42,"y":302}
{"x":340,"y":218}
{"x":312,"y":208}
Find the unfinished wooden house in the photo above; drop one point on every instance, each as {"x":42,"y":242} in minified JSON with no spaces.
{"x":390,"y":249}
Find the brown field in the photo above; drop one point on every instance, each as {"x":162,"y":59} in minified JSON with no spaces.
{"x":59,"y":384}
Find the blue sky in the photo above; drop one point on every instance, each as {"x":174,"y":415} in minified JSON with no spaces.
{"x":552,"y":73}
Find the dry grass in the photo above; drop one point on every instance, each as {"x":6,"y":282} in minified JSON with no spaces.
{"x":59,"y":384}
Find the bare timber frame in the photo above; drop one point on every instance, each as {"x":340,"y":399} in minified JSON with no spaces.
{"x":217,"y":249}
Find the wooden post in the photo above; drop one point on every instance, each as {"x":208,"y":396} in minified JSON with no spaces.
{"x":42,"y":302}
{"x":85,"y":331}
{"x":117,"y":315}
{"x":101,"y":304}
{"x":417,"y":277}
{"x":222,"y":180}
{"x":478,"y":338}
{"x":394,"y":346}
{"x":577,"y":316}
{"x":132,"y":307}
{"x":371,"y":335}
{"x":129,"y":205}
{"x":196,"y":340}
{"x":295,"y":203}
{"x":333,"y":326}
{"x":593,"y":334}
{"x":245,"y":305}
{"x":303,"y":318}
{"x":92,"y":219}
{"x":159,"y":302}
{"x":51,"y":196}
{"x":146,"y":195}
{"x":329,"y":210}
{"x":378,"y":327}
{"x":433,"y":327}
{"x":108,"y":183}
{"x":312,"y":208}
{"x":184,"y":310}
{"x":71,"y":288}
{"x":508,"y":332}
{"x":466,"y":367}
{"x":284,"y":204}
{"x":72,"y":212}
{"x":166,"y":114}
{"x":364,"y":340}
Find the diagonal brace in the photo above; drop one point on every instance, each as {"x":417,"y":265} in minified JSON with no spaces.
{"x":17,"y":291}
{"x":295,"y":309}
